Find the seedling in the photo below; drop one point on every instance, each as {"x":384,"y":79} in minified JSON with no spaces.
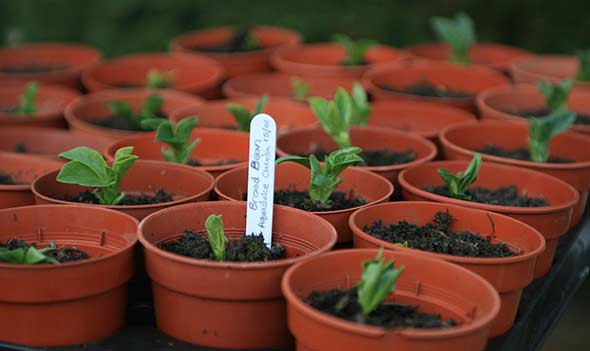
{"x":181,"y":147}
{"x":158,"y":80}
{"x":556,"y":95}
{"x":377,"y":282}
{"x":28,"y":255}
{"x":300,"y":89}
{"x":361,"y":109}
{"x":325,"y":180}
{"x":87,"y":167}
{"x":150,"y":108}
{"x":583,"y":74}
{"x":216,"y":235}
{"x":243,"y":39}
{"x":458,"y":33}
{"x":243,"y":116}
{"x":355,"y":50}
{"x":26,"y":105}
{"x":543,"y":129}
{"x":458,"y":183}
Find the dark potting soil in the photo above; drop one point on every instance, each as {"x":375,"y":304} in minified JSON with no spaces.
{"x":127,"y":85}
{"x":428,"y":90}
{"x":121,"y":122}
{"x":343,"y":304}
{"x":21,"y":148}
{"x":6,"y":179}
{"x":32,"y":68}
{"x":159,"y":196}
{"x":197,"y":163}
{"x":7,"y":109}
{"x":502,"y":196}
{"x":250,"y":248}
{"x":376,"y":158}
{"x":437,"y":237}
{"x":344,"y":63}
{"x":581,"y":118}
{"x":339,"y":200}
{"x":63,"y":254}
{"x":520,"y":153}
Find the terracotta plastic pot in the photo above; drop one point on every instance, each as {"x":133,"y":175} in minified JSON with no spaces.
{"x":71,"y":58}
{"x":433,"y":285}
{"x":495,"y":56}
{"x":324,"y":60}
{"x":50,"y":103}
{"x":552,"y":68}
{"x":194,"y":74}
{"x":460,"y":141}
{"x":304,"y":141}
{"x":508,"y":275}
{"x":233,"y":184}
{"x":185,"y":183}
{"x":496,"y":103}
{"x":467,"y":79}
{"x":237,"y":63}
{"x":215,"y":145}
{"x":23,"y":169}
{"x":551,"y":221}
{"x":47,"y":142}
{"x":81,"y":112}
{"x":280,"y":85}
{"x":70,"y":303}
{"x":287,"y":114}
{"x":240,"y":304}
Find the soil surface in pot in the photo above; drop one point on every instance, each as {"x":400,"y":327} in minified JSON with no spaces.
{"x":121,"y":122}
{"x":159,"y":196}
{"x":343,"y":304}
{"x":32,"y":68}
{"x":428,"y":90}
{"x":502,"y":196}
{"x":6,"y":179}
{"x":338,"y":200}
{"x":375,"y":158}
{"x":197,"y":163}
{"x":581,"y":118}
{"x":8,"y":108}
{"x":251,"y":248}
{"x":62,"y":254}
{"x":437,"y":237}
{"x":521,"y":153}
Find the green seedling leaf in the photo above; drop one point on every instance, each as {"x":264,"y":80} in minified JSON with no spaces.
{"x":158,"y":80}
{"x":543,"y":129}
{"x":458,"y":183}
{"x":243,"y":39}
{"x":243,"y":116}
{"x":377,"y":282}
{"x":355,"y":50}
{"x":87,"y":167}
{"x":27,"y":255}
{"x":178,"y":140}
{"x":149,"y":109}
{"x":556,"y":95}
{"x":217,"y":238}
{"x":28,"y":98}
{"x":458,"y":33}
{"x":583,"y":74}
{"x":335,"y":116}
{"x":325,"y":180}
{"x":361,"y":109}
{"x":300,"y":89}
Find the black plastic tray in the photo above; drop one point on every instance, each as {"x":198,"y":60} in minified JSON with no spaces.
{"x":541,"y":306}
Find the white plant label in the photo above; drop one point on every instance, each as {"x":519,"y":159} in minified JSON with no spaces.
{"x":261,"y":177}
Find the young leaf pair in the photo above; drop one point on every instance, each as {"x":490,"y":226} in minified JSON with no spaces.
{"x":243,"y":116}
{"x":458,"y":33}
{"x":149,"y":109}
{"x":28,"y":255}
{"x":459,"y":182}
{"x":355,"y":50}
{"x":27,"y":101}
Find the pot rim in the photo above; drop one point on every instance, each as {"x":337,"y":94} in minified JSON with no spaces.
{"x":32,"y":159}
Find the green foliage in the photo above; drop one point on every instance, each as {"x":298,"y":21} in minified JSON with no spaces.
{"x":243,"y":116}
{"x":150,"y":108}
{"x":243,"y":39}
{"x":583,"y":74}
{"x":556,"y":95}
{"x":458,"y":183}
{"x":335,"y":116}
{"x":458,"y":33}
{"x":543,"y":129}
{"x":377,"y":282}
{"x":26,"y":105}
{"x":178,"y":139}
{"x":300,"y":89}
{"x":325,"y":180}
{"x":87,"y":167}
{"x":217,"y":238}
{"x":355,"y":50}
{"x":361,"y":109}
{"x":28,"y":255}
{"x":158,"y":80}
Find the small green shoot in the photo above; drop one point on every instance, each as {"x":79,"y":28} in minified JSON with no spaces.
{"x":458,"y":183}
{"x":216,"y":235}
{"x":243,"y":116}
{"x":458,"y":33}
{"x":87,"y":167}
{"x":181,"y":147}
{"x":243,"y":39}
{"x":361,"y":109}
{"x":377,"y":282}
{"x":335,"y":116}
{"x":28,"y":255}
{"x":543,"y":129}
{"x":556,"y":95}
{"x":158,"y":80}
{"x":300,"y":89}
{"x":325,"y":180}
{"x":150,"y":108}
{"x":28,"y":98}
{"x":355,"y":50}
{"x":583,"y":74}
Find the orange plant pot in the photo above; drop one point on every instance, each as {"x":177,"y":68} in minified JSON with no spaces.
{"x":193,"y":74}
{"x":186,"y":184}
{"x":433,"y":285}
{"x":237,"y":63}
{"x":215,"y":145}
{"x":240,"y":304}
{"x":70,"y":303}
{"x":324,"y":60}
{"x":23,"y":169}
{"x":508,"y":275}
{"x":83,"y":111}
{"x":287,"y":114}
{"x":460,"y":141}
{"x":73,"y":58}
{"x":551,"y":68}
{"x":233,"y":184}
{"x":50,"y":103}
{"x":468,"y":79}
{"x":551,"y":221}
